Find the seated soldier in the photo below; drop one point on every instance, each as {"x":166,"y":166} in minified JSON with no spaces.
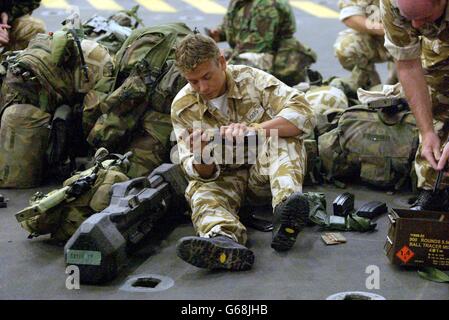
{"x":235,"y":100}
{"x":362,"y":45}
{"x":17,"y":27}
{"x":261,"y":34}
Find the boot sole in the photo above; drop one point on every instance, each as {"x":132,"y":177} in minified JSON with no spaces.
{"x":204,"y":253}
{"x":293,"y":219}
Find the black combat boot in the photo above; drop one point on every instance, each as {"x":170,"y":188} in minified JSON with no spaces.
{"x":428,"y":200}
{"x":290,"y":217}
{"x":215,"y":253}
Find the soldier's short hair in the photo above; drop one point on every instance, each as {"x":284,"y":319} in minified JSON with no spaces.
{"x":194,"y":50}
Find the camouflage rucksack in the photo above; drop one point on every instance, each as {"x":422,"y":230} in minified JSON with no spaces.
{"x":50,"y":71}
{"x":47,"y":75}
{"x":24,"y":133}
{"x":289,"y":63}
{"x":145,"y":79}
{"x":152,"y":52}
{"x":377,"y":145}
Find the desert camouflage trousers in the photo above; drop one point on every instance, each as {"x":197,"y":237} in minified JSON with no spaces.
{"x":425,"y":173}
{"x":438,"y":83}
{"x":22,"y":31}
{"x":435,"y":59}
{"x":277,"y":173}
{"x":358,"y":53}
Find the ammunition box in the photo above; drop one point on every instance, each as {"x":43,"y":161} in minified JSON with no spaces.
{"x":418,"y":238}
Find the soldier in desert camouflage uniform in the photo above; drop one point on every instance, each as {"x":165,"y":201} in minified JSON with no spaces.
{"x":236,"y":100}
{"x":417,"y":36}
{"x":261,"y":34}
{"x":362,"y":45}
{"x":17,"y":27}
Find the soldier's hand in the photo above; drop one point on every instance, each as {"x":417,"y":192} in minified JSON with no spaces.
{"x":4,"y":37}
{"x":431,"y":149}
{"x":214,"y":34}
{"x":443,"y":163}
{"x":197,"y":138}
{"x":235,"y":131}
{"x":4,"y":21}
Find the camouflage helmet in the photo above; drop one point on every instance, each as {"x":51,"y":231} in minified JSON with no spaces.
{"x":327,"y":103}
{"x":122,"y":19}
{"x":325,"y":98}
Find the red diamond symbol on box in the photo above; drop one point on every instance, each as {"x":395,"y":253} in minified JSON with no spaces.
{"x":405,"y":254}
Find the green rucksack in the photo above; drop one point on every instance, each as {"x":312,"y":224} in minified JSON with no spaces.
{"x":50,"y":71}
{"x":152,"y":50}
{"x":46,"y":76}
{"x":145,"y":79}
{"x":375,"y":144}
{"x":24,"y":134}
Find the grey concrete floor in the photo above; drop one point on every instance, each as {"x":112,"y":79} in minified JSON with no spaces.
{"x":35,"y":269}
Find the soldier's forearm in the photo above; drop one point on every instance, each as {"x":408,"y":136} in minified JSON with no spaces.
{"x":363,"y":25}
{"x":414,"y":84}
{"x":284,"y":127}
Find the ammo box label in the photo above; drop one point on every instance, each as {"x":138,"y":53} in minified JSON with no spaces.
{"x":92,"y":258}
{"x":435,"y":248}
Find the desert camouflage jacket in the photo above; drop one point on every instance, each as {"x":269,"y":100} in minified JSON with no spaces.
{"x":254,"y":96}
{"x":404,"y":42}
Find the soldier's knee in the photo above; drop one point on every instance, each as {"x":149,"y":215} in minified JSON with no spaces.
{"x":349,"y":50}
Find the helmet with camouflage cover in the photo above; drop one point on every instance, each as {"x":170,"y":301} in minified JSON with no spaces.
{"x":327,"y":103}
{"x":122,"y":19}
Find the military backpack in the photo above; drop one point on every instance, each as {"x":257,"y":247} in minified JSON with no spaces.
{"x":47,"y":80}
{"x":377,"y":145}
{"x":145,"y":79}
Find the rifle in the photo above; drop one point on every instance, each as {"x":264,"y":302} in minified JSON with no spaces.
{"x":105,"y":28}
{"x":101,"y":244}
{"x":42,"y":203}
